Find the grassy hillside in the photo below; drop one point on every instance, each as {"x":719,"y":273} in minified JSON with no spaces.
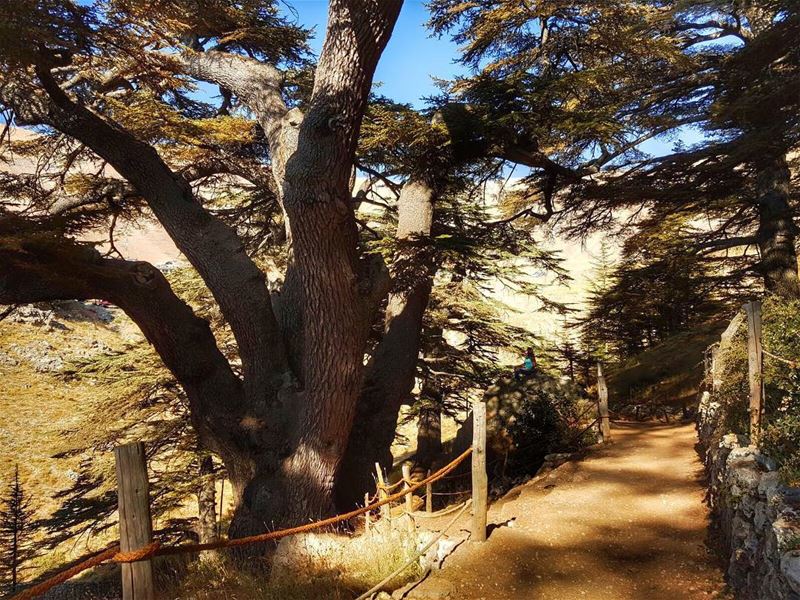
{"x":668,"y":374}
{"x":42,"y":412}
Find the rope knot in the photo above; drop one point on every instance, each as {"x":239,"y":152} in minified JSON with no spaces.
{"x":142,"y":553}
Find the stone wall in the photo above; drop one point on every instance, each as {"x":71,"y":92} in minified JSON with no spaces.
{"x":758,"y":517}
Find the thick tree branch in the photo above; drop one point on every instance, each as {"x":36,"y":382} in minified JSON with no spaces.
{"x":256,"y":84}
{"x":211,"y":247}
{"x":709,"y":246}
{"x":37,"y":268}
{"x":248,"y":169}
{"x":389,"y":379}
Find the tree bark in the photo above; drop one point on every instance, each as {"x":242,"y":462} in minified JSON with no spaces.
{"x":390,"y":375}
{"x":207,"y":502}
{"x":321,"y":307}
{"x":429,"y":430}
{"x":777,"y":232}
{"x":211,"y":247}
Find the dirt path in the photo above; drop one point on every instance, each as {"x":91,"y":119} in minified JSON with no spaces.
{"x":627,"y":522}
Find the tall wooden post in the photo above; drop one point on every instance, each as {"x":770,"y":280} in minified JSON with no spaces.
{"x":429,"y":495}
{"x":386,"y":510}
{"x":406,"y":468}
{"x":755,"y":361}
{"x":602,"y":404}
{"x":367,"y":518}
{"x":135,"y":525}
{"x":480,"y":479}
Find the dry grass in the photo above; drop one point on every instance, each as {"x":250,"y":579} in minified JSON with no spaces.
{"x":667,"y":374}
{"x":37,"y":408}
{"x":319,"y":566}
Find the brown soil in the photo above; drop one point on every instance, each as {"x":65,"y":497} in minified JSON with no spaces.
{"x":627,"y":522}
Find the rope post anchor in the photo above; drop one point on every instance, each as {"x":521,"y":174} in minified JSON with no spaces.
{"x":755,"y":364}
{"x":602,"y":405}
{"x":429,"y":495}
{"x":135,"y":523}
{"x":386,"y":511}
{"x":480,"y":478}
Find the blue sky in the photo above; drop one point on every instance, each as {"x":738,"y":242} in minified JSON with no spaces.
{"x":413,"y":58}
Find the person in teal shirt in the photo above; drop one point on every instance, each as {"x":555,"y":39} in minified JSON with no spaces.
{"x":528,"y":366}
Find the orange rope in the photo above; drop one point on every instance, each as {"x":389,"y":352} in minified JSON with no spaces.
{"x":46,"y":585}
{"x":276,"y":535}
{"x":113,"y":554}
{"x":387,"y":487}
{"x":142,"y":553}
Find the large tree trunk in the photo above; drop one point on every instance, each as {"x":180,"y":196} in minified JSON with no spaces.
{"x":281,"y":427}
{"x":390,"y":375}
{"x":776,"y":229}
{"x":323,"y":306}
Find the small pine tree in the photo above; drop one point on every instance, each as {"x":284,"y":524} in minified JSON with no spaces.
{"x":16,"y":518}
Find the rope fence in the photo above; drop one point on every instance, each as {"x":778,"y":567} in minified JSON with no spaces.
{"x":136,"y":546}
{"x":152,"y":549}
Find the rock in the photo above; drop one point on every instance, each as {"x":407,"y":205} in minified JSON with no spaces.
{"x":51,"y":314}
{"x":786,"y":529}
{"x":6,"y":360}
{"x":733,"y":440}
{"x":553,"y":461}
{"x":402,"y":592}
{"x":169,"y":266}
{"x":434,"y":558}
{"x":769,"y":487}
{"x":758,"y":516}
{"x":743,"y":471}
{"x":790,"y":567}
{"x":445,"y":548}
{"x":40,"y":355}
{"x":37,"y":315}
{"x":296,"y":555}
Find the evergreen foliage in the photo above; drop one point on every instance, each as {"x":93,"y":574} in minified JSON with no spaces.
{"x":139,"y":400}
{"x":16,"y":532}
{"x":465,"y":327}
{"x":656,"y":289}
{"x":586,"y":83}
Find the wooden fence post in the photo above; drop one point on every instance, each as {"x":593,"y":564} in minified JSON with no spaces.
{"x":480,"y":479}
{"x":429,"y":495}
{"x":366,"y":514}
{"x":386,"y":510}
{"x":406,"y":468}
{"x":135,"y":525}
{"x":755,"y":361}
{"x":602,"y":404}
